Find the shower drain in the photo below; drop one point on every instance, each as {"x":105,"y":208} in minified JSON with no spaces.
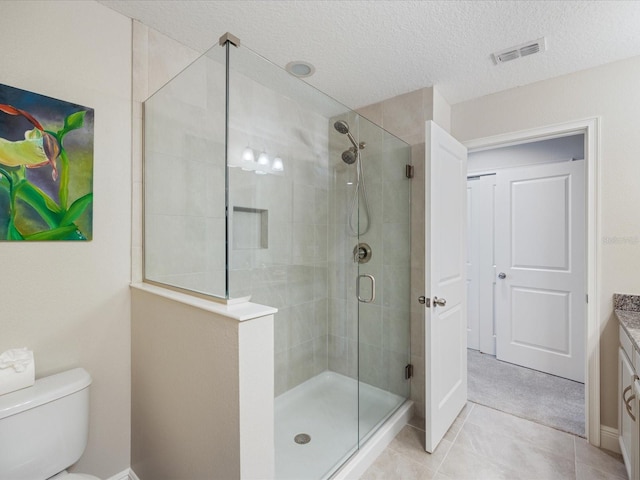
{"x":302,"y":438}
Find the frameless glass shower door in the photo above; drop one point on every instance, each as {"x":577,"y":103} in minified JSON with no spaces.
{"x":383,"y":258}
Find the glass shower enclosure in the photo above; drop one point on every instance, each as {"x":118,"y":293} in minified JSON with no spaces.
{"x":258,"y":187}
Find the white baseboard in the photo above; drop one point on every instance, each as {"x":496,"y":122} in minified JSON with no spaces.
{"x":127,"y":474}
{"x":609,"y":439}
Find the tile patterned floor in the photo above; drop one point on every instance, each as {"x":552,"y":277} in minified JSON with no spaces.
{"x":488,"y":444}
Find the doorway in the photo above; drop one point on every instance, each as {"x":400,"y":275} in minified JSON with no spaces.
{"x":527,"y":276}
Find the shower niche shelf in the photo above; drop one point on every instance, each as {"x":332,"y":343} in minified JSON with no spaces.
{"x":250,"y":228}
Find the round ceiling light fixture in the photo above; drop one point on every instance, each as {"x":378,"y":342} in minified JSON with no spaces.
{"x":300,"y":68}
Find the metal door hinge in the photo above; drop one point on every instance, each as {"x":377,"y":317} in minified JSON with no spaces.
{"x":408,"y":171}
{"x":408,"y":372}
{"x":587,"y":298}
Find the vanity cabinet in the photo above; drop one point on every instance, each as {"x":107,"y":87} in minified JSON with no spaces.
{"x":628,"y":404}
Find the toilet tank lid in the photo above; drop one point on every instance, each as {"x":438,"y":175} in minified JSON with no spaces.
{"x":45,"y":390}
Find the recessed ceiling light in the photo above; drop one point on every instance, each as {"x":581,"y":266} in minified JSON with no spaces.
{"x":300,"y":68}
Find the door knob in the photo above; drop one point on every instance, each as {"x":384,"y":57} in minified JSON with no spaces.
{"x":502,"y":275}
{"x":440,"y":302}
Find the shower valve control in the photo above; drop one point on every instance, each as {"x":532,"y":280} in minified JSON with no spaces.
{"x":362,"y":253}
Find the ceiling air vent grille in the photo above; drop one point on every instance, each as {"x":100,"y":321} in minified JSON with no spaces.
{"x":523,"y":50}
{"x":507,"y":56}
{"x":530,"y":49}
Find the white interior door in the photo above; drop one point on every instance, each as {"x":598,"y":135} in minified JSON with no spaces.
{"x":540,"y":262}
{"x":445,"y":280}
{"x":481,"y":263}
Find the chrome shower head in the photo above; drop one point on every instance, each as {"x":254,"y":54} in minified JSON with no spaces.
{"x":341,"y":126}
{"x":349,"y":156}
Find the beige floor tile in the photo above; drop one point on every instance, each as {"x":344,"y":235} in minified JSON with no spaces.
{"x":555,"y":441}
{"x":410,"y":443}
{"x":442,"y":476}
{"x":391,"y":465}
{"x":419,"y":423}
{"x":585,"y":472}
{"x":463,"y":464}
{"x":459,"y":422}
{"x":608,"y":462}
{"x":466,"y":410}
{"x":485,"y":444}
{"x":530,"y":460}
{"x":455,"y":428}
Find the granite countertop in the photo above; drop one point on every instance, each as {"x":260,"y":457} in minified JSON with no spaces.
{"x":627,"y":309}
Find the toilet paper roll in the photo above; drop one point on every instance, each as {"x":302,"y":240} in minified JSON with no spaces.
{"x":17,"y":370}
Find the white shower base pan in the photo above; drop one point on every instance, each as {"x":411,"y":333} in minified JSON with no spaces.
{"x":325,"y":407}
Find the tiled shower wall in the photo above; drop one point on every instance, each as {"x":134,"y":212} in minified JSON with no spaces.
{"x":343,"y":305}
{"x":287,"y":267}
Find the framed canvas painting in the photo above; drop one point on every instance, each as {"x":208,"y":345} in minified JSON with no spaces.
{"x":46,"y":168}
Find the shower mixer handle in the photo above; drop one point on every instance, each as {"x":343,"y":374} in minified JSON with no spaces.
{"x":361,"y":253}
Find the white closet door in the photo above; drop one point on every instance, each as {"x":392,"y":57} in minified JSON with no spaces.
{"x":540,"y":262}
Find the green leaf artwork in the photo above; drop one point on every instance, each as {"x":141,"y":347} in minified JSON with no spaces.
{"x":46,"y":168}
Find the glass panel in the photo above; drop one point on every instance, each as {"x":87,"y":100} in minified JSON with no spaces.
{"x":287,"y":258}
{"x":184,"y":227}
{"x":385,"y":233}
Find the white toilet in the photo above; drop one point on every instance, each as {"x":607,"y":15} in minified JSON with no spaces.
{"x":44,"y":428}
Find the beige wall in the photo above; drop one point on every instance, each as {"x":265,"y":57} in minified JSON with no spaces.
{"x":178,"y":379}
{"x":202,"y":389}
{"x":69,"y":302}
{"x":610,"y":92}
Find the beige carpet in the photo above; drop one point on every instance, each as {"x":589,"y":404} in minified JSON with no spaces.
{"x":552,"y":401}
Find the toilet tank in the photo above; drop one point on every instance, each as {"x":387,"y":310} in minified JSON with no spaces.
{"x":44,"y":428}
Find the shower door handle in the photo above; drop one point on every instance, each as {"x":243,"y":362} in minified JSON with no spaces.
{"x":373,"y":288}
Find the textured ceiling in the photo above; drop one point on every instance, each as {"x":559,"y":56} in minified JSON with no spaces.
{"x":367,"y":50}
